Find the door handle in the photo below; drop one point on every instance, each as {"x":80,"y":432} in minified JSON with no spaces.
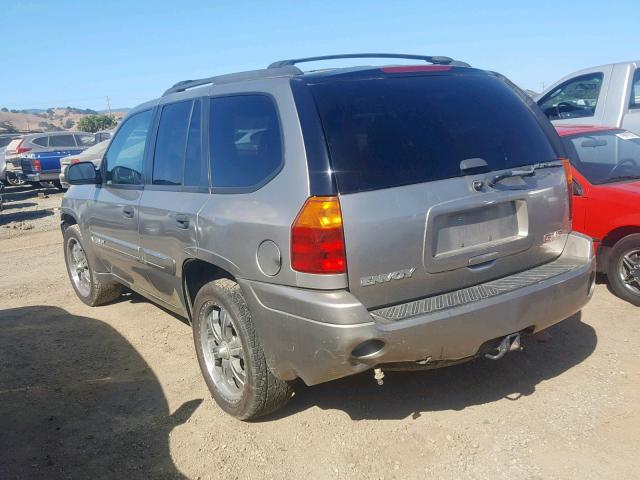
{"x":127,"y":211}
{"x":182,"y":221}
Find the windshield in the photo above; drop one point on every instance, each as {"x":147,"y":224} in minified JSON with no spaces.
{"x":605,"y":157}
{"x":388,"y":132}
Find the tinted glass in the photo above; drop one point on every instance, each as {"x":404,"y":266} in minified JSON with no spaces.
{"x":605,"y":157}
{"x":575,"y":98}
{"x":635,"y":91}
{"x":85,"y":140}
{"x":196,"y":172}
{"x":62,"y":141}
{"x":171,"y":142}
{"x":125,"y":155}
{"x":4,"y":141}
{"x":245,"y":141}
{"x":405,"y":130}
{"x":42,"y":141}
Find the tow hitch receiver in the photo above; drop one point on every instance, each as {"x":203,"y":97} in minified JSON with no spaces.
{"x":510,"y":343}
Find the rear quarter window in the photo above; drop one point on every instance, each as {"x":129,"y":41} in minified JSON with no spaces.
{"x":41,"y":141}
{"x":390,"y":132}
{"x":245,"y":141}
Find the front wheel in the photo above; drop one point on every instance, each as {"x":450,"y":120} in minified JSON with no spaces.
{"x":230,"y":355}
{"x":624,"y":269}
{"x":90,"y":289}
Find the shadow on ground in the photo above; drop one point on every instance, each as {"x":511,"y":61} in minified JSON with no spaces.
{"x":452,"y":388}
{"x":78,"y":401}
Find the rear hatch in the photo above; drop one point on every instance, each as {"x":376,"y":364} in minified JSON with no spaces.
{"x":415,"y":223}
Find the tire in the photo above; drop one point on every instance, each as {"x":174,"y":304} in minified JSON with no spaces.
{"x":58,"y":185}
{"x":89,"y":288}
{"x":220,"y":303}
{"x":14,"y":180}
{"x":628,"y":247}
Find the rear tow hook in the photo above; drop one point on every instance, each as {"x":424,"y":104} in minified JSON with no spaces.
{"x":510,"y":343}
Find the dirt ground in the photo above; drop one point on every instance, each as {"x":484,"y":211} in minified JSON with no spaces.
{"x":115,"y":392}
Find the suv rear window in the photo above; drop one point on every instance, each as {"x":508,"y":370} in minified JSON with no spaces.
{"x":390,"y":132}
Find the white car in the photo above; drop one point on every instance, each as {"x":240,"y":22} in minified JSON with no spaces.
{"x":92,"y":154}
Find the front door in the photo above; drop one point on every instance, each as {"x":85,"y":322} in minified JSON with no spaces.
{"x":115,"y":216}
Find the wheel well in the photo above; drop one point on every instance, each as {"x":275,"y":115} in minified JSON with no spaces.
{"x":613,"y":237}
{"x":67,"y":221}
{"x":195,"y":274}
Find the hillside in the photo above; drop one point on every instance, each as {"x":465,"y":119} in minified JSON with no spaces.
{"x":64,"y":118}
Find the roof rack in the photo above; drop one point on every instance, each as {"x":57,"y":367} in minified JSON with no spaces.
{"x":288,"y":70}
{"x":436,"y":60}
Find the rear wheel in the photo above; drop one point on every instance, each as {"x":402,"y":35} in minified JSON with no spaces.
{"x":15,"y":180}
{"x":90,"y":289}
{"x":58,"y":185}
{"x":230,"y":355}
{"x":624,"y":269}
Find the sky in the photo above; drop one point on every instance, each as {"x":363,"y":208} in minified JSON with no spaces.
{"x":72,"y":53}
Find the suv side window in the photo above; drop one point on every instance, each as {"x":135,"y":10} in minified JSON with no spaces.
{"x":85,"y":140}
{"x":41,"y":141}
{"x":575,"y":98}
{"x":634,"y":102}
{"x":168,"y":163}
{"x":245,"y":141}
{"x":124,"y":157}
{"x":62,"y":141}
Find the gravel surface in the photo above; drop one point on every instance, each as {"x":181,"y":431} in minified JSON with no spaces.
{"x":115,"y":392}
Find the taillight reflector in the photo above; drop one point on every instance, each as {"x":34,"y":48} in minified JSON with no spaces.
{"x":569,"y":176}
{"x":317,"y":238}
{"x":37,"y":166}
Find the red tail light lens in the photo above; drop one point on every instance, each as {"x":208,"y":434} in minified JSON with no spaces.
{"x":20,"y":149}
{"x":317,"y":239}
{"x":569,"y":176}
{"x":37,"y":166}
{"x":74,"y":160}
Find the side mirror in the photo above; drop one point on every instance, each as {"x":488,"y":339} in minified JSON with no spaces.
{"x":578,"y":191}
{"x":83,"y":173}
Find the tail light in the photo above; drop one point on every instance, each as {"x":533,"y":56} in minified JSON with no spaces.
{"x":20,"y":149}
{"x":569,"y":176}
{"x":74,"y":160}
{"x":37,"y":166}
{"x":317,"y":238}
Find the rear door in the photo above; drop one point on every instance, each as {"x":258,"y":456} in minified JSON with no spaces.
{"x":59,"y":146}
{"x":415,"y":224}
{"x":114,"y":216}
{"x":177,"y":187}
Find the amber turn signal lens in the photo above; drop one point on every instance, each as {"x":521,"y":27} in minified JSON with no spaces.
{"x":317,"y":239}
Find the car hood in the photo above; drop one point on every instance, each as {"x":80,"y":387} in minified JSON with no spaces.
{"x":627,"y":188}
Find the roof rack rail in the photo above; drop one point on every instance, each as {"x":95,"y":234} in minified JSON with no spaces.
{"x":436,"y":60}
{"x":287,"y":70}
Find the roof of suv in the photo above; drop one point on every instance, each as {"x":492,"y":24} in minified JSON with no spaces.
{"x":288,"y":69}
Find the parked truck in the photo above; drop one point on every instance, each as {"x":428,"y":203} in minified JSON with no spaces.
{"x":607,"y":95}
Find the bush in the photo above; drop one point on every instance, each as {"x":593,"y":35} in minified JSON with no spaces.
{"x":95,"y":123}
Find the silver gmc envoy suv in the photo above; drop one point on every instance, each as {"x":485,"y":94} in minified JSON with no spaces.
{"x":317,"y":224}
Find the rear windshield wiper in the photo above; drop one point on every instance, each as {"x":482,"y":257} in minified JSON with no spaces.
{"x":621,"y":178}
{"x":528,"y":172}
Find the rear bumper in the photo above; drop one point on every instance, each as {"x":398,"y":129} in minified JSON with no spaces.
{"x":312,"y":334}
{"x":41,"y":177}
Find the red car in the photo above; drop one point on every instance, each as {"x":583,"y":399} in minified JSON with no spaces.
{"x":606,"y":200}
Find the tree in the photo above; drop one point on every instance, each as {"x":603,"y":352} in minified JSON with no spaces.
{"x":95,"y":123}
{"x":4,"y":109}
{"x":8,"y":126}
{"x":69,"y":123}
